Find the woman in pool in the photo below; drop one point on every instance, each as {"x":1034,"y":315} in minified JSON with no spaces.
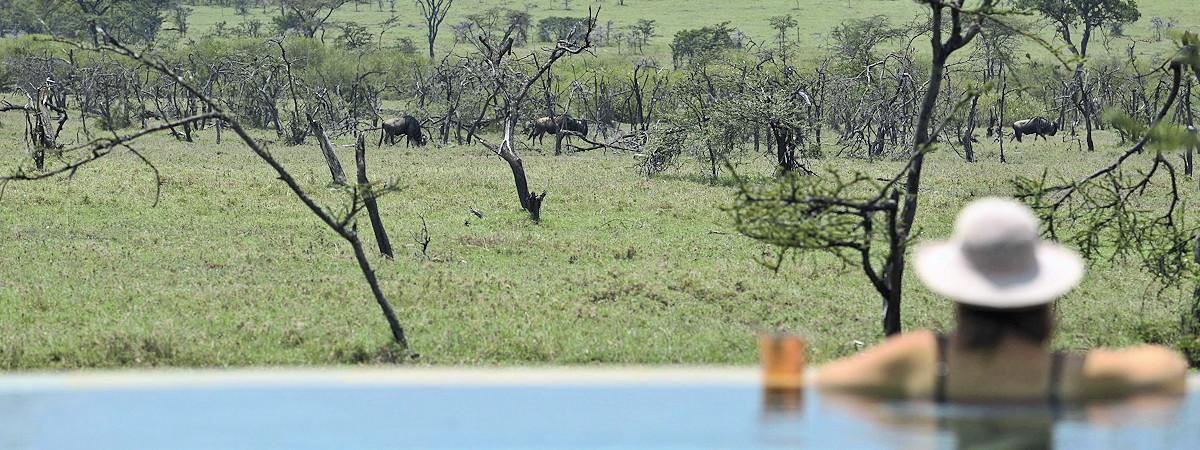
{"x":1003,"y":279}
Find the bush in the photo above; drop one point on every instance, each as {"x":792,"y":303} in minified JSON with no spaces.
{"x":553,"y":29}
{"x":702,"y":44}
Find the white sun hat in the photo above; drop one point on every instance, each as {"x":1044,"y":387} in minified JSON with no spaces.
{"x":997,"y":260}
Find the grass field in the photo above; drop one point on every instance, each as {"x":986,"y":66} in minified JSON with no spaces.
{"x":229,"y":269}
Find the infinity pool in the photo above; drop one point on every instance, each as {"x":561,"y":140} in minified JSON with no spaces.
{"x":537,"y":408}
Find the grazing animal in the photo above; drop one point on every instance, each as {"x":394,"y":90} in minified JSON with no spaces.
{"x":1037,"y":126}
{"x":568,"y":123}
{"x":540,"y":127}
{"x":537,"y":128}
{"x":408,"y":126}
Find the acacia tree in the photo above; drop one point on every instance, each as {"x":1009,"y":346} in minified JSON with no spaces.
{"x":644,"y":30}
{"x":782,"y":24}
{"x":804,"y":213}
{"x":1084,"y":16}
{"x":307,"y":17}
{"x":434,"y":12}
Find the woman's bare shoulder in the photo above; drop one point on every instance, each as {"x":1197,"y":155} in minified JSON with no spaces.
{"x":886,"y":368}
{"x":1145,"y":368}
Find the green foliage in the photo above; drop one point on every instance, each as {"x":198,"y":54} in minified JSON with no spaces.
{"x":288,"y":22}
{"x":702,"y":44}
{"x":492,"y":23}
{"x":406,"y":46}
{"x":644,"y":29}
{"x":1189,"y":51}
{"x":353,"y":36}
{"x":179,"y":17}
{"x":305,"y":17}
{"x":782,"y":24}
{"x":1093,"y":13}
{"x":1163,"y":137}
{"x":803,"y":213}
{"x":855,"y":40}
{"x":133,"y":21}
{"x":553,"y":29}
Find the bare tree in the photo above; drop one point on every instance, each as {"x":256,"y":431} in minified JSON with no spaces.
{"x":434,"y":12}
{"x":513,"y":86}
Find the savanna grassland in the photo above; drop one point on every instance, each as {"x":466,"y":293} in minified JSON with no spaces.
{"x":227,"y":268}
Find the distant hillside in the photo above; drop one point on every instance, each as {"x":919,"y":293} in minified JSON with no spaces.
{"x":815,"y":18}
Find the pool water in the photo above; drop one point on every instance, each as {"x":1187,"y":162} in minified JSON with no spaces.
{"x":727,"y":412}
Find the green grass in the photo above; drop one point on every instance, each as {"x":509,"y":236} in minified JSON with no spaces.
{"x":229,"y":269}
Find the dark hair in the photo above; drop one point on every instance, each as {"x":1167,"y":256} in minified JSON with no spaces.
{"x":984,"y":328}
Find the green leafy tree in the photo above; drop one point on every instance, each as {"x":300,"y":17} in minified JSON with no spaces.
{"x":134,"y":21}
{"x":782,"y":24}
{"x":305,"y":17}
{"x":179,"y":17}
{"x":520,"y":22}
{"x":353,"y":36}
{"x":553,"y":29}
{"x":701,"y":44}
{"x":645,"y":30}
{"x":855,"y":40}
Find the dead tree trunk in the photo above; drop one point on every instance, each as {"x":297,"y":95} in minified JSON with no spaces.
{"x":1003,"y":106}
{"x":514,"y":162}
{"x":785,"y":148}
{"x":360,"y":163}
{"x":1192,"y":148}
{"x":900,"y":225}
{"x":1189,"y":116}
{"x":494,"y":57}
{"x":335,"y":167}
{"x":40,"y":132}
{"x":969,"y":136}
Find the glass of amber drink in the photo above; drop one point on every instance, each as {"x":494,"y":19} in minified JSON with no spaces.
{"x":782,"y":357}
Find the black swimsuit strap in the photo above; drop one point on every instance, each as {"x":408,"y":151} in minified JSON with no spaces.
{"x":1057,"y":361}
{"x":1056,"y":368}
{"x":939,"y":386}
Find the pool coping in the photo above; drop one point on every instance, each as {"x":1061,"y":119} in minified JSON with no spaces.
{"x":160,"y":378}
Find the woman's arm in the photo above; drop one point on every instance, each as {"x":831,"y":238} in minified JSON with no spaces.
{"x":1143,"y":369}
{"x":891,"y":369}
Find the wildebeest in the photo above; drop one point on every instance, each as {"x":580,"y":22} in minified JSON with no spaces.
{"x":568,"y":123}
{"x":538,"y":128}
{"x":407,"y":125}
{"x":1038,"y":126}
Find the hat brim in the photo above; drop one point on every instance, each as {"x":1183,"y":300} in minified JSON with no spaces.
{"x":945,"y":270}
